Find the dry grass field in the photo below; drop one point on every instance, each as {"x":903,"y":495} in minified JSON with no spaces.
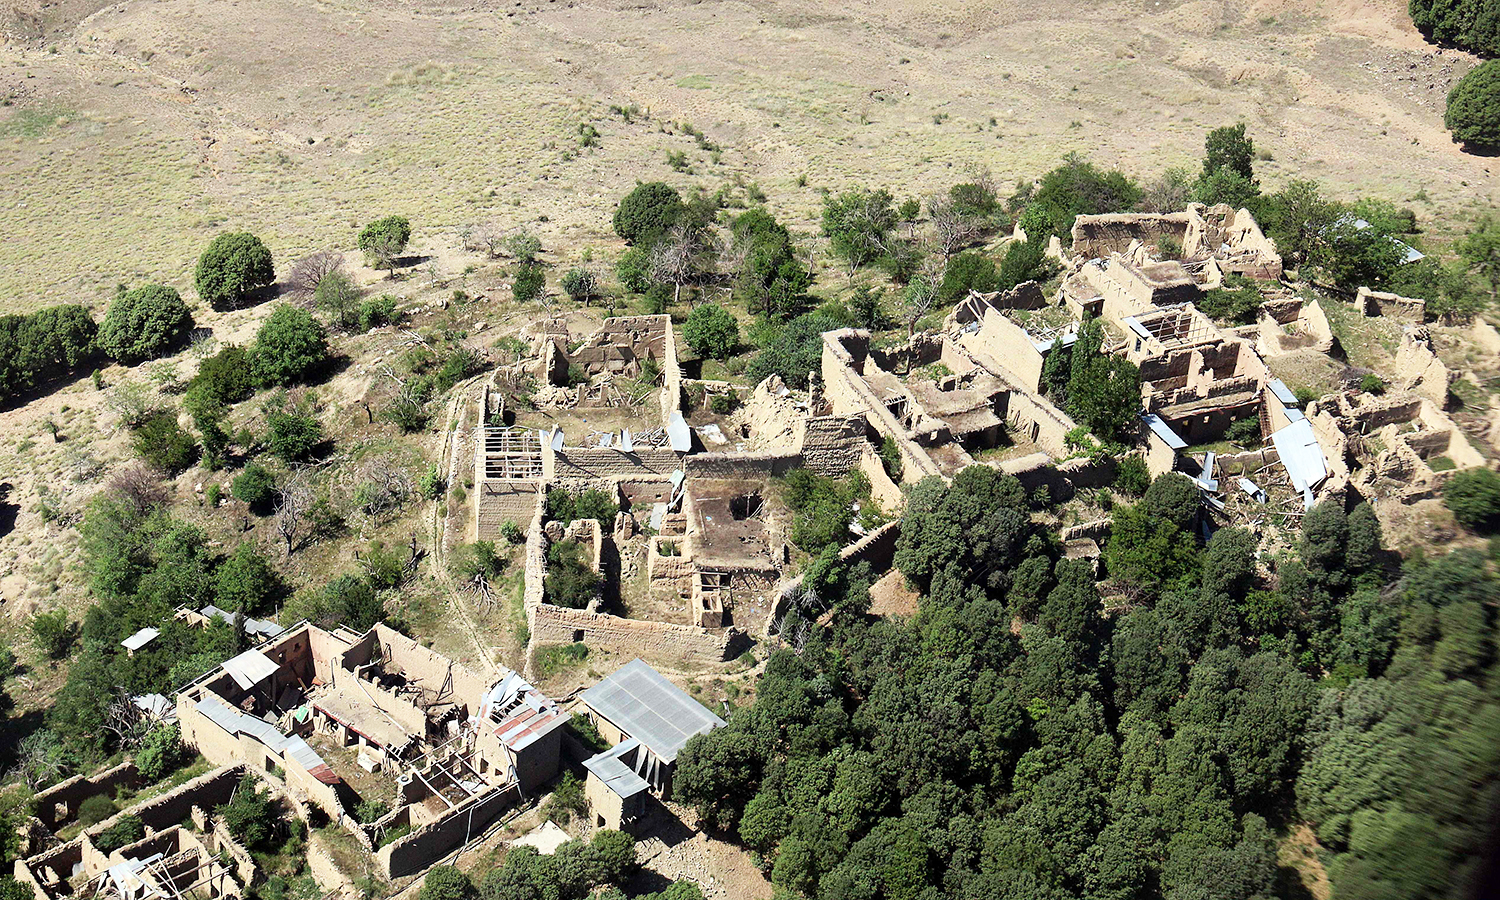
{"x":133,"y":132}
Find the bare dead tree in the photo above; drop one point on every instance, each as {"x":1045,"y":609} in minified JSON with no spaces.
{"x":486,"y":237}
{"x":310,"y":270}
{"x":679,"y":258}
{"x":140,"y":487}
{"x":40,"y":760}
{"x":294,"y":501}
{"x":125,"y":720}
{"x":953,"y":229}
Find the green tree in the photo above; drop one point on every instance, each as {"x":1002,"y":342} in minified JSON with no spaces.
{"x":1480,"y":252}
{"x":144,"y":323}
{"x":224,"y":378}
{"x":161,"y":752}
{"x":581,"y":285}
{"x":647,"y":212}
{"x":529,"y":283}
{"x":796,"y":350}
{"x":1473,"y":113}
{"x":1473,"y":496}
{"x":1074,"y":188}
{"x":446,"y":883}
{"x":44,"y":345}
{"x":338,"y":297}
{"x":717,"y":773}
{"x":1229,"y":148}
{"x":246,"y":582}
{"x":250,"y":815}
{"x":770,"y":279}
{"x":289,"y":347}
{"x":127,"y":829}
{"x":1357,"y":257}
{"x":1471,"y":25}
{"x":383,"y":240}
{"x":858,"y":225}
{"x":711,"y":331}
{"x":234,"y":264}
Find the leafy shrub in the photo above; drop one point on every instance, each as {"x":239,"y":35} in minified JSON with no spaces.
{"x":1132,"y":476}
{"x":1372,"y":384}
{"x":711,"y":331}
{"x":144,"y":323}
{"x":446,"y":883}
{"x":292,"y":435}
{"x":570,"y":580}
{"x":1469,"y":25}
{"x":96,"y":809}
{"x":567,"y":800}
{"x":890,"y":459}
{"x":126,"y":830}
{"x":1473,"y":113}
{"x":226,"y":377}
{"x":289,"y":347}
{"x":1238,"y":300}
{"x":255,"y":486}
{"x":513,"y":533}
{"x":795,"y":350}
{"x":338,"y":297}
{"x":377,"y":311}
{"x":1474,"y":497}
{"x":163,"y":444}
{"x":160,"y":752}
{"x":530,"y":281}
{"x":580,"y":284}
{"x":430,"y":483}
{"x":234,"y":264}
{"x":246,"y":582}
{"x":968,"y":271}
{"x":250,"y":815}
{"x":588,"y":733}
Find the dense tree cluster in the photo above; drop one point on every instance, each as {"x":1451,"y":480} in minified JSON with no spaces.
{"x":1009,"y":741}
{"x":1473,"y":111}
{"x":1472,"y":25}
{"x":43,"y":346}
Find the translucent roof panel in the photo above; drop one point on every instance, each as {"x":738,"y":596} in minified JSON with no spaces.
{"x":649,"y":708}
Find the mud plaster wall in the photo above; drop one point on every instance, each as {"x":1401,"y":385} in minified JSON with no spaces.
{"x":1010,"y":346}
{"x":75,"y":790}
{"x":579,"y":462}
{"x":652,"y":640}
{"x":1038,"y":421}
{"x":421,"y":848}
{"x":160,"y":813}
{"x":1391,"y":306}
{"x":499,"y":502}
{"x":736,"y":466}
{"x":831,"y":445}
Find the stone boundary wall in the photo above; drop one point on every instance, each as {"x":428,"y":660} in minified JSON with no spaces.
{"x":73,"y":791}
{"x":1096,"y":530}
{"x":659,"y":640}
{"x":878,"y":548}
{"x":594,"y":462}
{"x":741,"y":466}
{"x":421,"y":848}
{"x":160,"y":813}
{"x":1391,"y":306}
{"x":244,"y":864}
{"x":1064,"y":479}
{"x":501,"y":501}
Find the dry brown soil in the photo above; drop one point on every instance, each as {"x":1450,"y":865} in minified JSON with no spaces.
{"x":137,"y":130}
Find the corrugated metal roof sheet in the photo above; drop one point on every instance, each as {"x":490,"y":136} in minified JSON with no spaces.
{"x":1300,"y":453}
{"x":648,"y":707}
{"x":678,"y":433}
{"x":1282,"y":392}
{"x":156,"y":705}
{"x":610,"y":769}
{"x":236,"y":722}
{"x":1162,"y":430}
{"x":140,"y":639}
{"x":250,"y":668}
{"x":308,"y":758}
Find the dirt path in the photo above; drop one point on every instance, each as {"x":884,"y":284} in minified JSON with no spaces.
{"x":452,"y":455}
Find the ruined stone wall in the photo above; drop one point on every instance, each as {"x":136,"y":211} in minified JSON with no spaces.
{"x":1391,"y":306}
{"x":1098,"y":236}
{"x":424,"y":846}
{"x":581,"y":462}
{"x":498,"y":502}
{"x":160,"y":813}
{"x":1062,"y":480}
{"x":882,"y":489}
{"x":70,"y":793}
{"x":653,"y":640}
{"x":848,"y":393}
{"x":1009,"y":345}
{"x":1039,"y":421}
{"x":738,"y":466}
{"x":831,"y":445}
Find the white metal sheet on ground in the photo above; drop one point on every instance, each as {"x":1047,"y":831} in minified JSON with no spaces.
{"x":1301,"y":455}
